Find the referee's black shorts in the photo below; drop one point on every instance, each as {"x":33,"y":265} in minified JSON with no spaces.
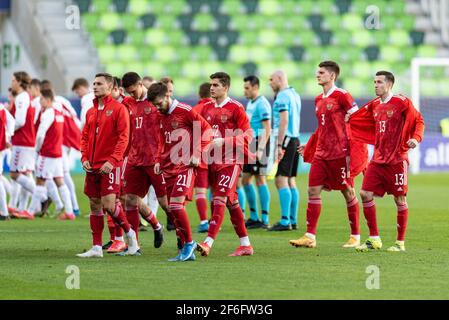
{"x":260,"y":167}
{"x":288,"y":166}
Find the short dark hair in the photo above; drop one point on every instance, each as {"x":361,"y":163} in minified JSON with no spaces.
{"x":331,"y":66}
{"x":253,"y":80}
{"x":130,"y":79}
{"x":107,"y":76}
{"x":204,"y":90}
{"x":80,"y":82}
{"x":23,"y":78}
{"x":46,"y":85}
{"x":158,"y":89}
{"x":388,"y":75}
{"x":167,"y":80}
{"x":35,"y":83}
{"x":223,"y":77}
{"x":48,"y":94}
{"x":117,"y":82}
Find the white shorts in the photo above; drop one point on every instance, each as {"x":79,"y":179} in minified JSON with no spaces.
{"x":22,"y":159}
{"x":65,"y":159}
{"x":49,"y":168}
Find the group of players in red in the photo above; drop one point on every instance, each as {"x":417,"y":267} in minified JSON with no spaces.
{"x":148,"y":138}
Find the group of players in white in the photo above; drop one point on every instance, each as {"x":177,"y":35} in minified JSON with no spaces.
{"x":41,"y":129}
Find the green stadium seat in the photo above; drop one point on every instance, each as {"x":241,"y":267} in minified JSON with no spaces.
{"x":357,"y":88}
{"x":297,"y":52}
{"x":101,"y":6}
{"x":154,"y":37}
{"x":118,"y":36}
{"x":165,"y":53}
{"x":295,"y":23}
{"x":327,"y":7}
{"x":127,"y":53}
{"x":204,"y":22}
{"x":192,"y":69}
{"x":362,"y":38}
{"x":231,"y":36}
{"x":203,"y":53}
{"x":194,"y":37}
{"x":136,"y":37}
{"x":107,"y":53}
{"x":240,"y":22}
{"x":185,"y":87}
{"x":306,"y":70}
{"x":427,"y":51}
{"x":116,"y":68}
{"x":121,"y":5}
{"x":349,"y":54}
{"x":155,"y":69}
{"x":110,"y":21}
{"x":175,"y":38}
{"x":407,"y":22}
{"x":360,"y":6}
{"x":129,"y":22}
{"x":239,"y":54}
{"x":83,"y":5}
{"x":380,"y":37}
{"x":361,"y":69}
{"x":382,"y":65}
{"x":269,"y":7}
{"x":389,"y":22}
{"x":195,"y":5}
{"x":232,"y":7}
{"x":90,"y":21}
{"x":161,"y":7}
{"x":279,"y":54}
{"x":259,"y":54}
{"x":208,"y":68}
{"x":351,"y":21}
{"x":307,"y":38}
{"x":265,"y":70}
{"x":232,"y":69}
{"x":333,"y":23}
{"x":214,"y":6}
{"x":222,"y":52}
{"x":147,"y":53}
{"x":306,"y":7}
{"x":372,"y":52}
{"x":268,"y":38}
{"x":250,"y":6}
{"x":343,"y":6}
{"x":311,"y":88}
{"x":396,"y":7}
{"x":222,"y":22}
{"x":136,"y":66}
{"x":399,"y":38}
{"x":185,"y":21}
{"x":148,"y":20}
{"x":331,"y":53}
{"x":315,"y":21}
{"x":417,"y":37}
{"x":138,"y":7}
{"x":249,"y":68}
{"x":313,"y":54}
{"x":408,"y":53}
{"x":99,"y":37}
{"x":342,"y":38}
{"x":248,"y":38}
{"x":390,"y":53}
{"x":173,"y":71}
{"x":325,"y":37}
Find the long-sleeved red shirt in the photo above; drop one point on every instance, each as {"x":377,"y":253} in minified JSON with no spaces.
{"x":106,"y":133}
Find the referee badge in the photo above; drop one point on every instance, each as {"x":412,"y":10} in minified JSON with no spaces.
{"x":390,"y":113}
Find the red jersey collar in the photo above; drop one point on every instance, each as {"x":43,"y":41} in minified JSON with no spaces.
{"x":106,"y":100}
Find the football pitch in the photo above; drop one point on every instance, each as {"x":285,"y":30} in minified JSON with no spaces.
{"x":35,"y":256}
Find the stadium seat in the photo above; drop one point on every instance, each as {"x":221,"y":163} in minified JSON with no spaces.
{"x":185,"y":21}
{"x":147,"y":20}
{"x":279,"y":53}
{"x":399,"y":38}
{"x":232,"y":7}
{"x":118,"y":36}
{"x":101,"y":6}
{"x":136,"y":37}
{"x":115,"y":68}
{"x":269,"y":37}
{"x":297,"y":52}
{"x":138,"y":7}
{"x":99,"y":37}
{"x":165,"y":53}
{"x":417,"y":37}
{"x":110,"y":21}
{"x":390,"y":53}
{"x":107,"y":53}
{"x":343,"y":5}
{"x":362,"y":38}
{"x":248,"y":38}
{"x":121,"y":5}
{"x":129,"y":21}
{"x":147,"y":53}
{"x":204,"y":22}
{"x":155,"y":37}
{"x":326,"y":7}
{"x":361,"y":69}
{"x":427,"y":51}
{"x":167,"y":22}
{"x":127,"y":53}
{"x":372,"y":52}
{"x":342,"y":38}
{"x":249,"y":68}
{"x":315,"y":21}
{"x":83,"y":5}
{"x":155,"y":69}
{"x":222,"y":52}
{"x":250,"y":6}
{"x":351,"y":21}
{"x":90,"y":21}
{"x":175,"y":38}
{"x":269,"y":7}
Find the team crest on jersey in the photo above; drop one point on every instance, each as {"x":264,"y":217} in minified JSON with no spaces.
{"x":224,"y":118}
{"x":109,"y":112}
{"x":390,"y":113}
{"x":329,"y":106}
{"x":147,"y":110}
{"x":174,"y":124}
{"x":124,"y":183}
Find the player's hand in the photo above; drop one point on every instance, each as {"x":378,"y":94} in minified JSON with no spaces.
{"x":157,"y":168}
{"x":412,"y":143}
{"x":259,"y":155}
{"x":347,"y":116}
{"x":301,"y":150}
{"x":218,"y":142}
{"x":280,"y":153}
{"x":8,"y":145}
{"x":86,"y":166}
{"x":194,"y":161}
{"x":106,"y":167}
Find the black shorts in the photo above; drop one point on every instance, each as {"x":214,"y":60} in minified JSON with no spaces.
{"x":260,"y":167}
{"x":288,"y":166}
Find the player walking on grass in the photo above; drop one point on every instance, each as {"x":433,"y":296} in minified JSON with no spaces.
{"x":330,"y":165}
{"x":258,"y":110}
{"x":6,"y":131}
{"x":104,"y":140}
{"x":231,"y":137}
{"x":49,"y":140}
{"x":180,"y":154}
{"x":393,"y":125}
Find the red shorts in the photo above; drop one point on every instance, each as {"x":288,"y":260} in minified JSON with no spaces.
{"x":98,"y":185}
{"x":224,"y":181}
{"x":202,"y":178}
{"x":389,"y":178}
{"x":181,"y":184}
{"x":138,"y":180}
{"x":332,"y":174}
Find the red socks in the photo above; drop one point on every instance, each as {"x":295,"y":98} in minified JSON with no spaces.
{"x":313,"y":214}
{"x":151,"y":219}
{"x":119,"y":217}
{"x":402,"y":220}
{"x":132,"y":215}
{"x":354,"y":216}
{"x":97,"y":226}
{"x":369,"y":210}
{"x":181,"y":221}
{"x":111,"y":227}
{"x":201,"y":206}
{"x":218,"y":209}
{"x":237,"y":220}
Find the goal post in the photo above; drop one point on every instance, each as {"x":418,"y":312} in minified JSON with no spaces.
{"x":417,"y":79}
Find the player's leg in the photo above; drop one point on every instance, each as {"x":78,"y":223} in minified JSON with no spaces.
{"x":402,"y":219}
{"x":285,"y":199}
{"x":53,"y":194}
{"x":353,"y":209}
{"x":251,"y":197}
{"x":150,"y":217}
{"x":96,"y":219}
{"x":201,"y":185}
{"x":14,"y":198}
{"x":4,"y":214}
{"x":295,"y":202}
{"x":241,"y":195}
{"x":66,"y":199}
{"x":264,"y":198}
{"x":39,"y":196}
{"x":237,"y":220}
{"x":69,"y":181}
{"x":22,"y":161}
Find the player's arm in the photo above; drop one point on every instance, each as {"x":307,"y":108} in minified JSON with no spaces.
{"x":122,"y":127}
{"x":22,"y":104}
{"x":161,"y":148}
{"x":348,"y":104}
{"x":206,"y":136}
{"x":47,"y":119}
{"x":415,"y":116}
{"x":86,"y":105}
{"x":10,"y":126}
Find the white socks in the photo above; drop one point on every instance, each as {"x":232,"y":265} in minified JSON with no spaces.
{"x":244,"y":241}
{"x":65,"y":195}
{"x":3,"y":205}
{"x":209,"y":241}
{"x":26,"y":182}
{"x":52,"y":191}
{"x":71,"y":186}
{"x":39,"y":195}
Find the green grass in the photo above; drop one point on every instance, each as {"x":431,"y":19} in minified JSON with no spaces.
{"x":34,"y":256}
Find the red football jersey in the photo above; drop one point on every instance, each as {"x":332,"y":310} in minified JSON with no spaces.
{"x":3,"y":129}
{"x":23,"y":112}
{"x":52,"y":125}
{"x":229,"y":121}
{"x":179,"y":140}
{"x":333,"y":142}
{"x":145,"y":140}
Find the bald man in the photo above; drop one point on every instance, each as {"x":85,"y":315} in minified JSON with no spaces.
{"x":286,"y":118}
